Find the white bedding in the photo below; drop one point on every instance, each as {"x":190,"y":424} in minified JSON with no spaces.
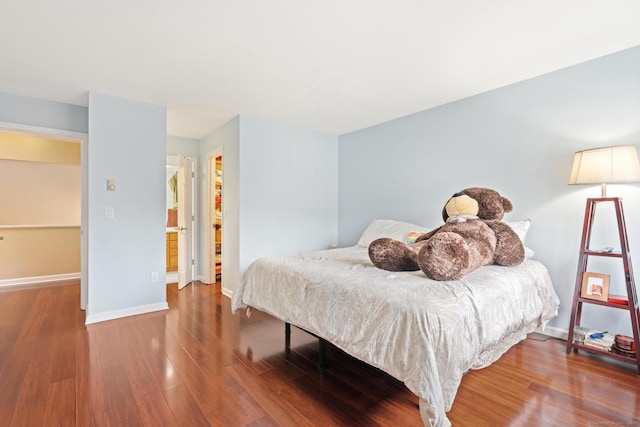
{"x":423,"y":332}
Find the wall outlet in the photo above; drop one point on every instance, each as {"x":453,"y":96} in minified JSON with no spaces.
{"x":154,"y":277}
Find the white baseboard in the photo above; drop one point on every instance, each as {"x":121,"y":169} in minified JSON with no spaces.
{"x":36,"y":281}
{"x":227,"y":292}
{"x":125,"y":312}
{"x":554,"y":332}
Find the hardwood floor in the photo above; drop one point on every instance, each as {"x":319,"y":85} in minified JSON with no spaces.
{"x":199,"y":365}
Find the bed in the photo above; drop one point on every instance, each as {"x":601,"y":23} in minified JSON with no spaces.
{"x":425,"y":333}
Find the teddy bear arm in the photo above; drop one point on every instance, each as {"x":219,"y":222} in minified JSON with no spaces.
{"x":509,"y":248}
{"x":393,"y":255}
{"x":427,"y":235}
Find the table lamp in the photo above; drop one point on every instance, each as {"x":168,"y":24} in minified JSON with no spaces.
{"x":606,"y":165}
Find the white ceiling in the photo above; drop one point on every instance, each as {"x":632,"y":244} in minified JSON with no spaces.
{"x":332,"y":65}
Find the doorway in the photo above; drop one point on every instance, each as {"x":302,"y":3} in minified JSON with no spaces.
{"x":172,"y":219}
{"x":180,"y":221}
{"x":61,"y":230}
{"x":216,"y":217}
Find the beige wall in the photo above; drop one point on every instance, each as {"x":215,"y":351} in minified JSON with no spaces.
{"x":36,"y":148}
{"x":36,"y":252}
{"x":40,"y":207}
{"x":34,"y":193}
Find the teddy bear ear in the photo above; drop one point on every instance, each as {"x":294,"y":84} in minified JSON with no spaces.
{"x":506,"y":204}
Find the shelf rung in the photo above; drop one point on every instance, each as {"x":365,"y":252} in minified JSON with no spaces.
{"x":605,"y":254}
{"x":624,"y":306}
{"x":623,"y":357}
{"x":618,"y":299}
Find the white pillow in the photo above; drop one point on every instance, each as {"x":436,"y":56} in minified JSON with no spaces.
{"x":528,"y":253}
{"x":393,"y":229}
{"x":521,"y":228}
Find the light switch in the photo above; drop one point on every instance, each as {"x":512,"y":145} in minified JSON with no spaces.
{"x":109,"y":213}
{"x":111,"y":185}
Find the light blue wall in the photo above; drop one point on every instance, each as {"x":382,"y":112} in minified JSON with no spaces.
{"x":185,"y":146}
{"x":520,"y":140}
{"x":45,"y":114}
{"x":127,"y":142}
{"x":288,"y":189}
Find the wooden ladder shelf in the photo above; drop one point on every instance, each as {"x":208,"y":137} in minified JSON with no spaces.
{"x":632,"y":299}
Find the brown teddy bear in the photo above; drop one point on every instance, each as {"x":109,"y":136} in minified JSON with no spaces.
{"x":471,"y":237}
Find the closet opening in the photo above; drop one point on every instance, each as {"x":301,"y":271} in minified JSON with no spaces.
{"x":216,"y":217}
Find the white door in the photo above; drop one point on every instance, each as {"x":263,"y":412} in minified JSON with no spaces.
{"x":185,"y":266}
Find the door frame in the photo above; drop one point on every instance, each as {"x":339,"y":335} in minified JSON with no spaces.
{"x":84,"y":199}
{"x":209,"y":214}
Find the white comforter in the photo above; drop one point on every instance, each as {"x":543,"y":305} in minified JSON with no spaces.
{"x":422,"y":332}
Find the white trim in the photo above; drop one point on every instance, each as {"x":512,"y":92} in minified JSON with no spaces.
{"x":227,"y":292}
{"x":125,"y":312}
{"x":554,"y":332}
{"x":36,"y":281}
{"x":43,"y":131}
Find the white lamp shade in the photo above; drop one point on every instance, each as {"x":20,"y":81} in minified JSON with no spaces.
{"x":606,"y":165}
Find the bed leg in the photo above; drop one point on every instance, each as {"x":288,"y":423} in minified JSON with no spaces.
{"x":287,"y":335}
{"x":322,"y":344}
{"x":322,"y":355}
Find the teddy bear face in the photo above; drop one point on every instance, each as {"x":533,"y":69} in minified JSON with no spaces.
{"x":461,"y":204}
{"x":485,"y":203}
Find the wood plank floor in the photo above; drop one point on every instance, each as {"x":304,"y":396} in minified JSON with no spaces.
{"x":199,"y":365}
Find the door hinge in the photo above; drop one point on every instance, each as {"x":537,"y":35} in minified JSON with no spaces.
{"x":193,"y":262}
{"x":193,"y":218}
{"x":193,"y":174}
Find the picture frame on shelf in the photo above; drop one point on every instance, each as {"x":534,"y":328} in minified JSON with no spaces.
{"x":595,"y":286}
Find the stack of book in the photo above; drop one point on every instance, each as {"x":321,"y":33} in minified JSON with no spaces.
{"x":579,"y":333}
{"x":600,"y":341}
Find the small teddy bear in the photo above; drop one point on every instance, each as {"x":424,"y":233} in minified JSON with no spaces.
{"x":471,"y":237}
